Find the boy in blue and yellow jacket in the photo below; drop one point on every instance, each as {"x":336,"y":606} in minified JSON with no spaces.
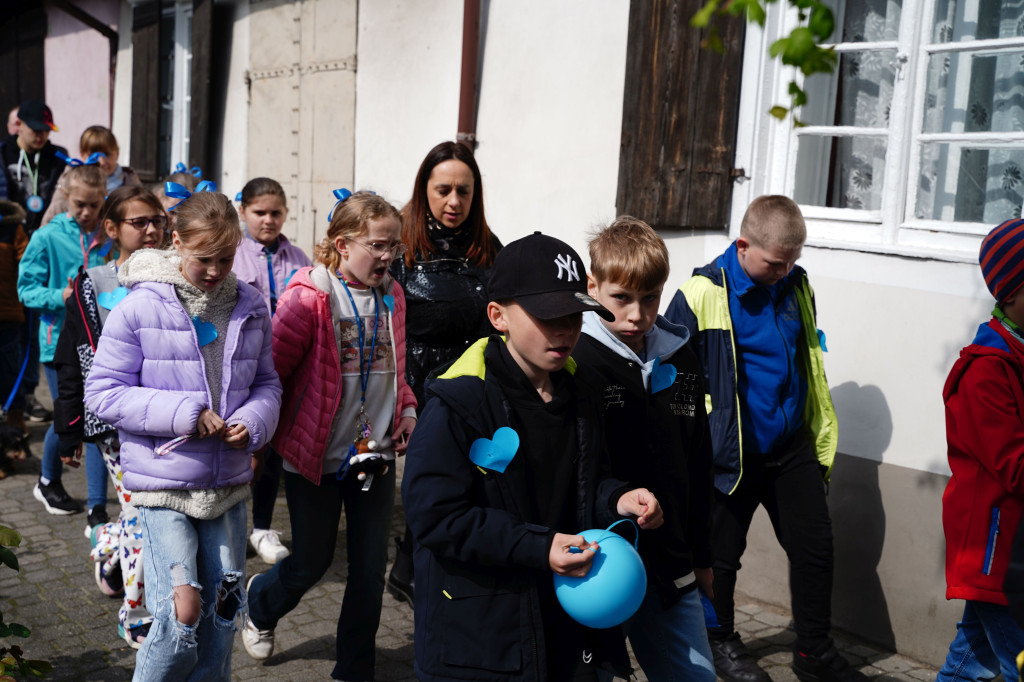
{"x":773,"y":429}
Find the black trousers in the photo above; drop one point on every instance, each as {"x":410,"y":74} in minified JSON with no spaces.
{"x":789,"y":485}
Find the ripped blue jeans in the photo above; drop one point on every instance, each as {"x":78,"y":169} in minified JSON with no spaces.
{"x":210,"y":556}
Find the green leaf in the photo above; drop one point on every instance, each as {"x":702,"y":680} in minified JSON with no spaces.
{"x":803,"y":4}
{"x":798,"y":94}
{"x":799,"y":47}
{"x":756,"y":13}
{"x":713,"y":41}
{"x":8,"y":557}
{"x":822,"y":23}
{"x":9,"y":537}
{"x":778,"y":47}
{"x":19,"y":630}
{"x":41,"y":667}
{"x":5,"y":631}
{"x":703,"y":16}
{"x":779,"y":112}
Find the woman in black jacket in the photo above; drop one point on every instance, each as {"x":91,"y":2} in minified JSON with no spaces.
{"x":444,"y":273}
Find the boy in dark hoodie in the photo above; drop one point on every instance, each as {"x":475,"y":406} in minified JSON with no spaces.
{"x":984,"y":499}
{"x":506,"y":464}
{"x":651,"y":390}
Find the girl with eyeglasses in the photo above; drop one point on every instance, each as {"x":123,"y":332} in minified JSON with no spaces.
{"x":132,"y":219}
{"x":339,"y":348}
{"x":444,"y":272}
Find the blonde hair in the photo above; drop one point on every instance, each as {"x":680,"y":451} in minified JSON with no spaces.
{"x":98,"y":139}
{"x":629,"y":253}
{"x":774,"y":220}
{"x":207,"y":223}
{"x":350,"y":219}
{"x":89,"y":177}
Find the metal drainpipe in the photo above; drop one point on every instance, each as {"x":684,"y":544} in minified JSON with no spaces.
{"x":470,"y":66}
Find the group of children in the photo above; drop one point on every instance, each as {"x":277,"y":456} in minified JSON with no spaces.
{"x":186,"y":352}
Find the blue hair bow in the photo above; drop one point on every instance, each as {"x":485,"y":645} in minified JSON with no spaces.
{"x":341,"y":195}
{"x":238,"y":197}
{"x":176,"y":191}
{"x":93,"y":159}
{"x":195,"y":171}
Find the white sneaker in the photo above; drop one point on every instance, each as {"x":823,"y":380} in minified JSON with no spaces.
{"x":258,"y":643}
{"x":267,"y":544}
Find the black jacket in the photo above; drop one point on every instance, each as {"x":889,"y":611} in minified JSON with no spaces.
{"x":478,"y":562}
{"x":50,"y":169}
{"x":446,"y":310}
{"x":72,"y":359}
{"x":660,"y":441}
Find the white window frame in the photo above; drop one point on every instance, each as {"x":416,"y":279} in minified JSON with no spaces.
{"x":181,"y":85}
{"x":767,"y":148}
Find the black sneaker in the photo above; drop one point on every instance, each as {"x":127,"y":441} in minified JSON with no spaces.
{"x":733,"y":661}
{"x":400,"y":580}
{"x":828,"y":666}
{"x":36,"y":412}
{"x":97,"y":517}
{"x":55,"y":498}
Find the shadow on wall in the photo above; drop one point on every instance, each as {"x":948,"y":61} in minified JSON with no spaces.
{"x":858,"y":517}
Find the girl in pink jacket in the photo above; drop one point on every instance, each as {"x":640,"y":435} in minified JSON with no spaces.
{"x":347,"y":411}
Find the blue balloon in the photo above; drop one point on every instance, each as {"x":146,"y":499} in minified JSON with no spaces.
{"x":613,"y":589}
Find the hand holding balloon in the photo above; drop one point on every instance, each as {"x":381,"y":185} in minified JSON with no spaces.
{"x":643,"y":505}
{"x":564,"y":561}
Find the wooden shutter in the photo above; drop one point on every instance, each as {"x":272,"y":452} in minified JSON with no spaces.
{"x":679,"y":118}
{"x":22,"y":73}
{"x":199,"y":108}
{"x":145,"y":89}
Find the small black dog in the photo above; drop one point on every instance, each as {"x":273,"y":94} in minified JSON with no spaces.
{"x":13,"y":448}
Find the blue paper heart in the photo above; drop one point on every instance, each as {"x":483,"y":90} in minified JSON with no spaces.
{"x":496,"y":452}
{"x":108,"y":299}
{"x":662,"y":376}
{"x":389,"y":301}
{"x":205,"y":331}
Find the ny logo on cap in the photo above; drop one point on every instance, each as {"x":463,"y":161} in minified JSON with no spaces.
{"x":567,"y":264}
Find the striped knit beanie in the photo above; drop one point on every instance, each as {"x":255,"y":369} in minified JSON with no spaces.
{"x":1002,"y":259}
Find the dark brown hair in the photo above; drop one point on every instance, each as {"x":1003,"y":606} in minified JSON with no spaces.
{"x":258,"y":187}
{"x":482,"y":248}
{"x":118,"y":200}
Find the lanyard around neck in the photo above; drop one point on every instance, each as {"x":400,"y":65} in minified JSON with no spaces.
{"x":32,"y":174}
{"x":364,"y":378}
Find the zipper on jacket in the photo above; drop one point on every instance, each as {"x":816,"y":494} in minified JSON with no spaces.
{"x":735,"y":382}
{"x":789,"y":368}
{"x":993,"y":536}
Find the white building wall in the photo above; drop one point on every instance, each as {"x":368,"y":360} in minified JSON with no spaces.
{"x":550,"y":107}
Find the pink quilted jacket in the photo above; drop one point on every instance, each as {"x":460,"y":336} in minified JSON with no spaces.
{"x":306,"y":359}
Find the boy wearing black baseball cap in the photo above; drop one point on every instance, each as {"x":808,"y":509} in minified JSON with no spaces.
{"x":31,"y":166}
{"x":505,"y":466}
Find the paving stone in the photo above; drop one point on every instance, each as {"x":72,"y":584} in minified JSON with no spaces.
{"x":74,"y":626}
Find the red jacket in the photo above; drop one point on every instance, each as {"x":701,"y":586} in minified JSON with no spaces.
{"x":984,"y":499}
{"x":306,"y":359}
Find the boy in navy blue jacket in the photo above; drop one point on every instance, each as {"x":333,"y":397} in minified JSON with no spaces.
{"x":773,"y":429}
{"x":651,"y":390}
{"x":492,"y":513}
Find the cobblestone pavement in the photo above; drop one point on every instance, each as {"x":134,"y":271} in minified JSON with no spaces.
{"x":74,"y":626}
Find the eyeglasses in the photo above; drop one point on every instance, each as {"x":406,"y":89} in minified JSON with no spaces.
{"x":140,"y":223}
{"x":380,"y":249}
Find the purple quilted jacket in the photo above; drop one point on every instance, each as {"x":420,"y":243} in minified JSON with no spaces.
{"x":148,"y":380}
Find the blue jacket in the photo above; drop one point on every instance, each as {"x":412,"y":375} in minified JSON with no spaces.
{"x":478,"y":561}
{"x":54,"y":253}
{"x":702,"y":306}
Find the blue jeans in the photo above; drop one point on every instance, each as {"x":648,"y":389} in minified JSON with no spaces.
{"x":672,"y":643}
{"x":987,"y":642}
{"x":315,"y":515}
{"x":210,"y":556}
{"x":95,"y":469}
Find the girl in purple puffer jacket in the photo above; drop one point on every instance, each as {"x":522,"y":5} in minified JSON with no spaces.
{"x":185,"y":373}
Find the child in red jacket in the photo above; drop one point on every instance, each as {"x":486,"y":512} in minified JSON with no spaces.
{"x":984,"y":500}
